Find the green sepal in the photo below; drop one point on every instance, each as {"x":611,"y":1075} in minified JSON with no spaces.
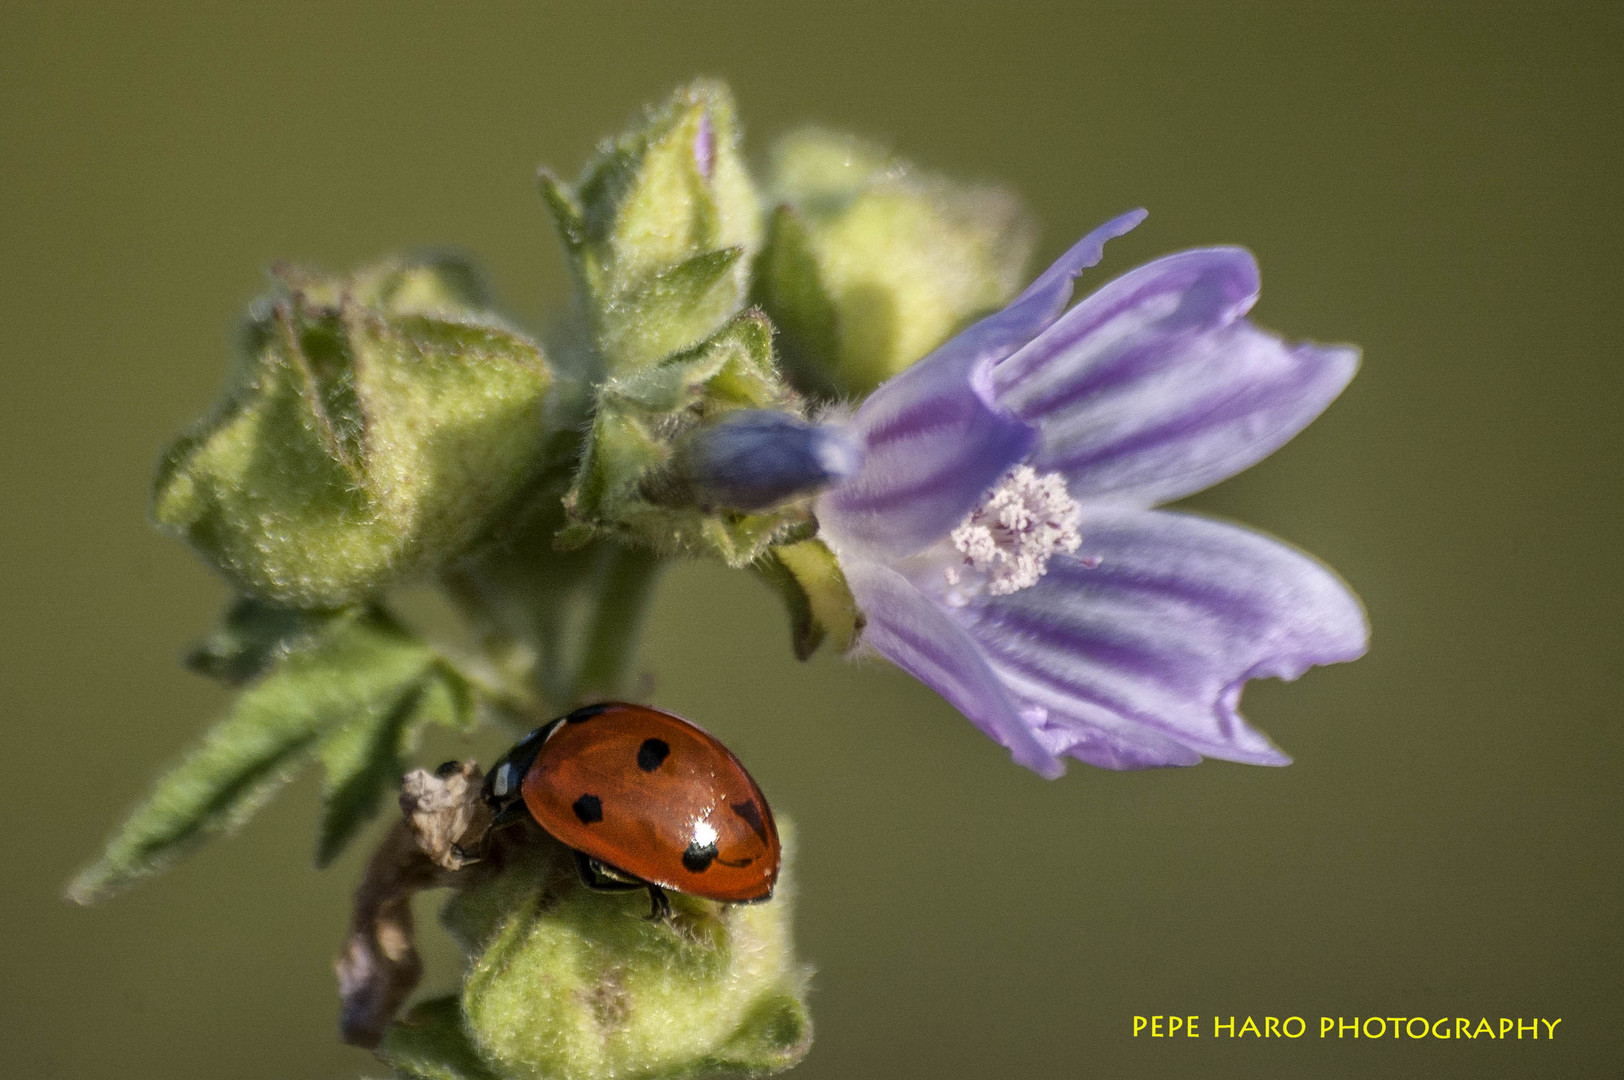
{"x":641,"y":415}
{"x":646,"y":225}
{"x":354,"y":695}
{"x":569,"y":984}
{"x":430,"y":1043}
{"x":676,"y":309}
{"x":807,"y":577}
{"x":869,"y":264}
{"x":371,"y":429}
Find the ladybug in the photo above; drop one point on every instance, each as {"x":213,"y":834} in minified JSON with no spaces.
{"x":646,"y":800}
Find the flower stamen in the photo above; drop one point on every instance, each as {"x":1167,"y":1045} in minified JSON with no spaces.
{"x":1026,"y":520}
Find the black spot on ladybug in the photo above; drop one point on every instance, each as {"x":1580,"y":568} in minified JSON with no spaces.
{"x":698,"y":858}
{"x":589,"y":808}
{"x":585,"y":713}
{"x":750,"y":814}
{"x":652,"y":753}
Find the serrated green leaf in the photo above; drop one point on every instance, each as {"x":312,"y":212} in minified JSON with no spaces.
{"x":429,"y":283}
{"x":363,"y":759}
{"x":362,"y":667}
{"x":254,"y":635}
{"x":429,"y":1043}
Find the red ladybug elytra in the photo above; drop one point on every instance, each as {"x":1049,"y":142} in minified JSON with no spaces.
{"x":647,"y":801}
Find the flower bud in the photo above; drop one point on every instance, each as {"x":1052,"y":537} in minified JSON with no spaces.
{"x":753,"y":459}
{"x":869,"y":264}
{"x":569,"y":984}
{"x":661,"y":228}
{"x":373,"y":426}
{"x":653,"y":474}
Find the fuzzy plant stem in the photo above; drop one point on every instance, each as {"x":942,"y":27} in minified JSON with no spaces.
{"x":625,"y":586}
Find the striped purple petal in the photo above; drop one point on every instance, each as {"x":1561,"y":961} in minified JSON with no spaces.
{"x":1155,"y":386}
{"x":912,"y":632}
{"x":1041,"y":303}
{"x":934,"y":441}
{"x":932,"y":445}
{"x":1139,"y":659}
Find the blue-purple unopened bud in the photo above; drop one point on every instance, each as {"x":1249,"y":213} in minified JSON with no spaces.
{"x":753,"y":459}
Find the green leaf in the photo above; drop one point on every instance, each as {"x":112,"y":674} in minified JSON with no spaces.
{"x":348,"y":685}
{"x":364,"y":758}
{"x":253,"y":636}
{"x":429,"y":1043}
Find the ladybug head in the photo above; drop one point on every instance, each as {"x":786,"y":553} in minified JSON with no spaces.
{"x":501,"y":788}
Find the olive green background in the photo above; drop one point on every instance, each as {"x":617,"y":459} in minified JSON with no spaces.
{"x":1440,"y":184}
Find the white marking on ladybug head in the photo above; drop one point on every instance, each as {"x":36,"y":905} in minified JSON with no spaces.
{"x":502,"y":782}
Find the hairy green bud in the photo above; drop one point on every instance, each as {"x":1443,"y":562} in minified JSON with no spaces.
{"x":869,"y":264}
{"x":569,"y":984}
{"x":627,"y":486}
{"x":372,"y":427}
{"x":661,"y":228}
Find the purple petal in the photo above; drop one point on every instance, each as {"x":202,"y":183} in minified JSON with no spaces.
{"x":1140,"y":659}
{"x":1155,"y":387}
{"x":907,"y":628}
{"x":934,"y":441}
{"x":932,"y":445}
{"x":1041,"y":303}
{"x":705,"y":145}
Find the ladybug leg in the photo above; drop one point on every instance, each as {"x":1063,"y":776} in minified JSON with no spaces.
{"x":511,"y":814}
{"x":595,"y":875}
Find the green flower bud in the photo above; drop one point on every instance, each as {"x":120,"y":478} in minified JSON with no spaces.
{"x":868,"y":264}
{"x":569,"y":984}
{"x":661,"y":228}
{"x":627,"y":485}
{"x":372,"y":426}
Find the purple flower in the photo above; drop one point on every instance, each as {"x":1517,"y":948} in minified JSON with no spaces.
{"x":999,"y":534}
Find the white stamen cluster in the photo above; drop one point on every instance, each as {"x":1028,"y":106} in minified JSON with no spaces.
{"x":1011,"y":537}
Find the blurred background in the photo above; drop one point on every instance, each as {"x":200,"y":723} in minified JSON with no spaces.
{"x":1438,"y":183}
